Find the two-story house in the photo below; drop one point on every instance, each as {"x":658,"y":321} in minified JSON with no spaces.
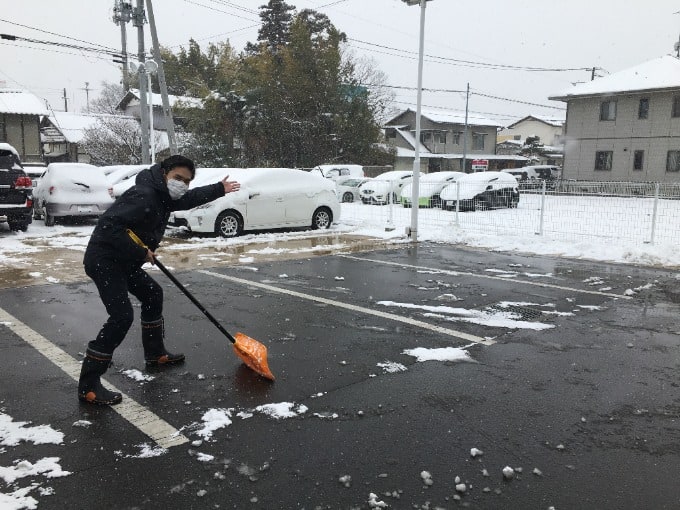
{"x":625,"y":126}
{"x":549,"y":130}
{"x":130,"y":105}
{"x":442,"y":142}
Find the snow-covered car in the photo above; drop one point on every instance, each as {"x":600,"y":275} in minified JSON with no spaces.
{"x":385,"y":188}
{"x":532,"y":176}
{"x":429,"y":187}
{"x":122,"y":177}
{"x":481,"y":191}
{"x":269,"y":198}
{"x":69,"y":190}
{"x":336,"y":172}
{"x":16,"y":199}
{"x":348,"y":188}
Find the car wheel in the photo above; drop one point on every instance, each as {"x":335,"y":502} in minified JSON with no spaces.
{"x":229,"y":224}
{"x":36,"y":211}
{"x":480,"y":205}
{"x":49,"y":219}
{"x":348,"y":197}
{"x":322,"y":218}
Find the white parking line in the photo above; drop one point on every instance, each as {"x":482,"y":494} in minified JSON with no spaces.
{"x":489,"y":277}
{"x":368,"y":311}
{"x":160,"y":431}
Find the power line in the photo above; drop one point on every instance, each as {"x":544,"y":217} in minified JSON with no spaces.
{"x":54,"y":33}
{"x":517,"y":101}
{"x":475,"y":63}
{"x":218,"y":10}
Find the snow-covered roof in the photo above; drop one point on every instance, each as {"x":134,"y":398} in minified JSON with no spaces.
{"x":72,"y":125}
{"x":657,"y":74}
{"x":21,"y":102}
{"x":407,"y":153}
{"x":185,"y":101}
{"x":448,"y":117}
{"x":410,"y":139}
{"x":552,"y":121}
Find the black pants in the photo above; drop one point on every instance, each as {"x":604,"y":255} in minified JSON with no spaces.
{"x":114,"y":281}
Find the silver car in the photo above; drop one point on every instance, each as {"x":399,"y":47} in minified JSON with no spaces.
{"x":70,"y":190}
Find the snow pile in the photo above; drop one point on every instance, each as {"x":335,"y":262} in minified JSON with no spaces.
{"x":12,"y":433}
{"x":214,"y":419}
{"x":49,"y":467}
{"x":282,"y":410}
{"x":440,"y":354}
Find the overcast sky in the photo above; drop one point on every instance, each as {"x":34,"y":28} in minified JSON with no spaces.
{"x":611,"y":34}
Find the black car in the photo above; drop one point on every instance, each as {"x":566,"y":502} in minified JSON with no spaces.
{"x":16,"y":190}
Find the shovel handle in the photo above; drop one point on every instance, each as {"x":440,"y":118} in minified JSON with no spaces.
{"x":181,"y":287}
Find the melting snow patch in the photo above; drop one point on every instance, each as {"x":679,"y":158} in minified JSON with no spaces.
{"x":52,"y":279}
{"x":48,"y":467}
{"x":146,"y":452}
{"x":326,"y":415}
{"x":19,"y":499}
{"x":82,"y":423}
{"x":35,"y":274}
{"x":282,"y":410}
{"x":12,"y":433}
{"x":244,"y":415}
{"x":392,"y":367}
{"x":440,"y":354}
{"x":590,"y":307}
{"x":374,"y":503}
{"x":427,"y":478}
{"x":136,"y":375}
{"x":339,"y":278}
{"x":214,"y":419}
{"x":474,"y":452}
{"x":204,"y":457}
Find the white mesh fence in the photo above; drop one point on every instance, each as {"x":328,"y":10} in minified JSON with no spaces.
{"x":630,"y":211}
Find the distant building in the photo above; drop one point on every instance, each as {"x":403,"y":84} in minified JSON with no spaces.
{"x":442,"y":141}
{"x":550,"y":130}
{"x":130,"y":105}
{"x":625,"y":126}
{"x":62,"y":134}
{"x":20,"y":113}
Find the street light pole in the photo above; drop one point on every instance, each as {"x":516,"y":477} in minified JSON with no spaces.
{"x":415,"y":195}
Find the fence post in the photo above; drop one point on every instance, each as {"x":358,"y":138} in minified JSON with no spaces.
{"x":389,"y":227}
{"x":457,"y":203}
{"x":654,"y":214}
{"x":540,"y":227}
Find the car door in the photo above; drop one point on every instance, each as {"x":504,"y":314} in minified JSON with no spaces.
{"x":300,"y":197}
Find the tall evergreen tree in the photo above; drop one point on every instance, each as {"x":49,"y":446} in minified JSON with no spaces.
{"x":276,"y":18}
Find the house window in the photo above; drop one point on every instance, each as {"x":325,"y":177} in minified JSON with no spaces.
{"x":643,"y":109}
{"x":426,"y":136}
{"x":478,"y":141}
{"x":517,"y":137}
{"x":673,"y":161}
{"x":608,"y":110}
{"x":440,"y":137}
{"x":638,"y":160}
{"x":603,"y":160}
{"x":456,"y":137}
{"x":676,"y":106}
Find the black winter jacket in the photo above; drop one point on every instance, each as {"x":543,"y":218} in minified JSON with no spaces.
{"x":144,"y":209}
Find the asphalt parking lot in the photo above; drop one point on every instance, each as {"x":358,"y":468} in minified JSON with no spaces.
{"x":571,"y":381}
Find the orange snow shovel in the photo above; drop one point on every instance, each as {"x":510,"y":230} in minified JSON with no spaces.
{"x":251,"y":352}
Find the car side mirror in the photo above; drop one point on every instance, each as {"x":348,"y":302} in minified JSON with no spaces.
{"x":253,"y":195}
{"x":489,"y":187}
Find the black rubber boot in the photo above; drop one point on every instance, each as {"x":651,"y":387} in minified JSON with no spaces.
{"x":90,"y":388}
{"x":153,"y":335}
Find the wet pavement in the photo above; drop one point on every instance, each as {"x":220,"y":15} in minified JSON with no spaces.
{"x":591,"y":402}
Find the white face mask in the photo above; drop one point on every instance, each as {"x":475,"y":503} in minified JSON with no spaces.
{"x":177,"y":189}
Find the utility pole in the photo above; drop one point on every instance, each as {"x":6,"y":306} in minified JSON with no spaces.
{"x":65,"y":101}
{"x":87,"y":94}
{"x":138,"y":21}
{"x":122,"y":14}
{"x":592,"y":73}
{"x":167,"y":110}
{"x":465,"y":129}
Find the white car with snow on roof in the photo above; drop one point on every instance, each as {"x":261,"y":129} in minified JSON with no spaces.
{"x":338,"y":171}
{"x":71,"y":190}
{"x":429,"y":188}
{"x":122,"y":177}
{"x":481,"y":191}
{"x":269,"y":198}
{"x":348,"y":188}
{"x":385,"y":188}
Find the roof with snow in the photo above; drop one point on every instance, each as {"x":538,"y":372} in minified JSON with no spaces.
{"x":70,"y":127}
{"x":448,"y":117}
{"x":185,"y":101}
{"x":551,"y":121}
{"x":658,"y":74}
{"x":21,"y":102}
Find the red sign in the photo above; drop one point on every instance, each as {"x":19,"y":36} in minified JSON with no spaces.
{"x":480,"y":162}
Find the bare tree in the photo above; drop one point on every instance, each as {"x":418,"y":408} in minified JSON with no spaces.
{"x":117,"y":140}
{"x":107,"y":101}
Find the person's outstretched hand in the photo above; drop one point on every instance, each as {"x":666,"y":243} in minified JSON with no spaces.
{"x":230,"y":186}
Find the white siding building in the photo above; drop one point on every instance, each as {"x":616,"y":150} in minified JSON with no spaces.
{"x":625,"y":126}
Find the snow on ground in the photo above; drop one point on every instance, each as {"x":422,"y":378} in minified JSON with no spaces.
{"x":138,"y":376}
{"x":597,"y":228}
{"x":282,"y":410}
{"x":439,"y":354}
{"x":214,"y":419}
{"x":14,"y":432}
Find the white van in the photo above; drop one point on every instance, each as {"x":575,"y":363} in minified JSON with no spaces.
{"x":336,"y":171}
{"x":481,"y":191}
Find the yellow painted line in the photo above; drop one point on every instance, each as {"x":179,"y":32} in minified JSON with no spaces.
{"x":160,"y":431}
{"x":347,"y":306}
{"x":488,"y":277}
